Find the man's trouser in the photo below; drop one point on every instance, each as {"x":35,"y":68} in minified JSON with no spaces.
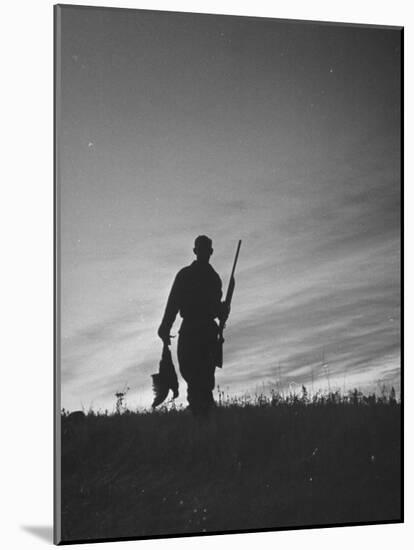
{"x":196,"y":350}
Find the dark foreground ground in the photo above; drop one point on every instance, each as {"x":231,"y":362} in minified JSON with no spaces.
{"x":247,"y":467}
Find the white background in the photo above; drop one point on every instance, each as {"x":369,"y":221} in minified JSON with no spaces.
{"x":26,"y":271}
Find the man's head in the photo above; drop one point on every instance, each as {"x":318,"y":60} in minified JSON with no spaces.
{"x":203,"y":248}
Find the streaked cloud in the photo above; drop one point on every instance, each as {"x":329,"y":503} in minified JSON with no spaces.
{"x":298,"y":155}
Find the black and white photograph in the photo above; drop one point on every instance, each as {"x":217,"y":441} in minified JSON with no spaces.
{"x":228,"y":274}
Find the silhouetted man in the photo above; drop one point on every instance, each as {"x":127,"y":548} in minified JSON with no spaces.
{"x":196,"y":294}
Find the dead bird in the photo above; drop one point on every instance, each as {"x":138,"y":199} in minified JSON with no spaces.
{"x":165,"y":379}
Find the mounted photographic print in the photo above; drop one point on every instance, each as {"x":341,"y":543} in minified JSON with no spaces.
{"x":227,"y":274}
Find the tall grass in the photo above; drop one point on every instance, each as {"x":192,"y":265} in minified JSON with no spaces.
{"x":258,"y":461}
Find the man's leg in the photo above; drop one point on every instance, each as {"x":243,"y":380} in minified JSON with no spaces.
{"x":185,"y":353}
{"x":197,"y":369}
{"x":207,"y":384}
{"x":209,"y":365}
{"x":195,"y":350}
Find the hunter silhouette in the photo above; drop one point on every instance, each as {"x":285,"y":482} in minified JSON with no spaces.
{"x":196,"y":294}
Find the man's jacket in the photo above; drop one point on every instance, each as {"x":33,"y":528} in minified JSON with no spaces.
{"x":196,"y":294}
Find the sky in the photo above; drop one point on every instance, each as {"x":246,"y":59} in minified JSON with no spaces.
{"x":283,"y":134}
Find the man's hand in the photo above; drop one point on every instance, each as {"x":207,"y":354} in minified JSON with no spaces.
{"x":164,"y":334}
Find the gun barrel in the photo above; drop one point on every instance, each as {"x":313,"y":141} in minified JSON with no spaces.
{"x":229,"y":295}
{"x":236,"y":258}
{"x":230,"y":288}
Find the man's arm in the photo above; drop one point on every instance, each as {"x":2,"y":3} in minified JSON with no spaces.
{"x":223,"y":310}
{"x":171,"y":310}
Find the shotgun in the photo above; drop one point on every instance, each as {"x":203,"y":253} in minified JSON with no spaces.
{"x":227,"y":301}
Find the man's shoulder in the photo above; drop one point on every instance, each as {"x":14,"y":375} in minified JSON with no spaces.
{"x":214,"y":273}
{"x":183,"y":272}
{"x":192,"y":270}
{"x":185,"y":269}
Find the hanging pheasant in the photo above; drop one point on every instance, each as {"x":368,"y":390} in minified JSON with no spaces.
{"x":165,"y":379}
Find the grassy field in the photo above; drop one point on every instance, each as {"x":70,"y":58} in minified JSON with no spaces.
{"x":265,"y":463}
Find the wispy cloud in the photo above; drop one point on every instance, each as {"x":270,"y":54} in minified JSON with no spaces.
{"x":301,"y":162}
